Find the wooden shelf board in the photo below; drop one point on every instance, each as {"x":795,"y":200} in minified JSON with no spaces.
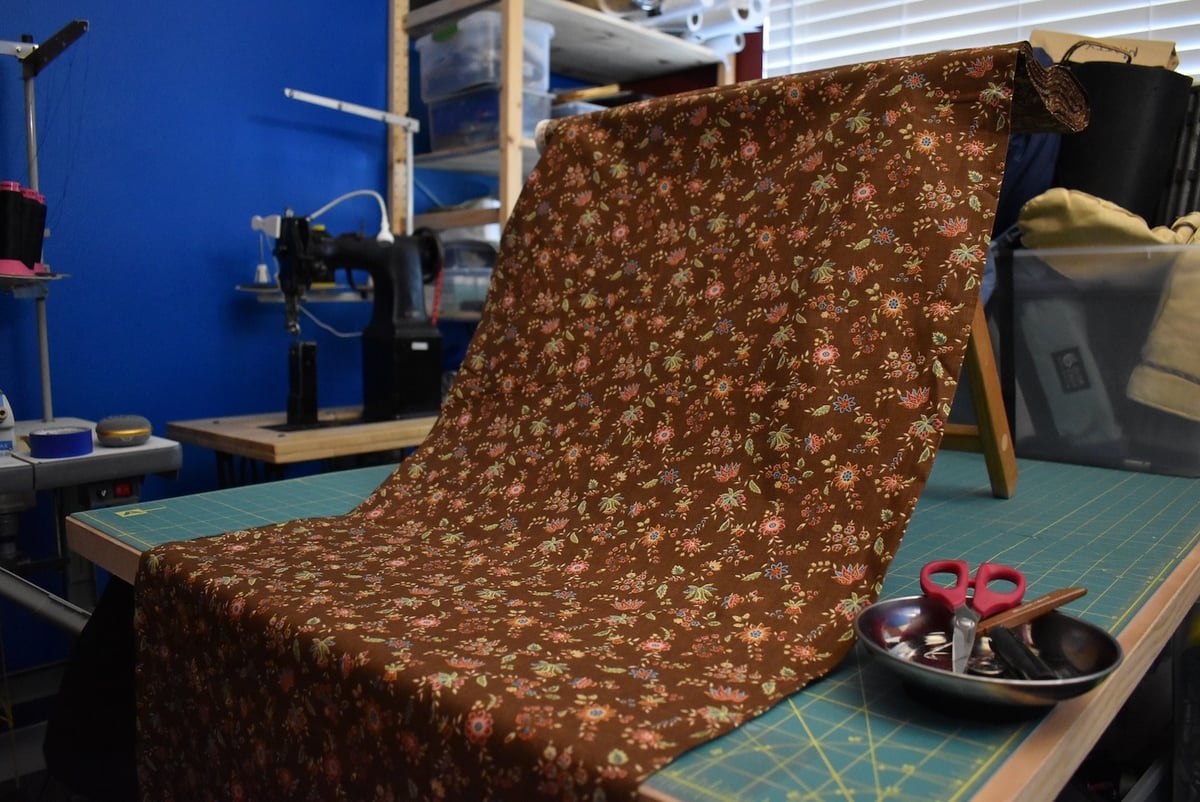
{"x":604,"y":48}
{"x":456,"y":218}
{"x":474,"y":159}
{"x":587,"y":44}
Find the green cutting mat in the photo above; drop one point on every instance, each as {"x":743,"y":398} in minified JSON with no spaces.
{"x":152,"y":523}
{"x":855,"y":734}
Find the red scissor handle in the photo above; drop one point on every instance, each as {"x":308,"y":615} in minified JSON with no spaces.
{"x":987,"y":599}
{"x":953,"y":596}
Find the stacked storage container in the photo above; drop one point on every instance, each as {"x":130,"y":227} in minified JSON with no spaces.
{"x":460,"y":80}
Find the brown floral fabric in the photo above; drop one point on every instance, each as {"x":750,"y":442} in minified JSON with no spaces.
{"x":713,"y":369}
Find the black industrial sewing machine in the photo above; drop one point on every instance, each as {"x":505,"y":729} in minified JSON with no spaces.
{"x":401,"y":347}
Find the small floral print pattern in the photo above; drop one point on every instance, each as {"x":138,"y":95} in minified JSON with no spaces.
{"x":721,"y":342}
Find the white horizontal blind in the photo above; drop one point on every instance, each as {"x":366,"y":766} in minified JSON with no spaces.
{"x":802,"y":35}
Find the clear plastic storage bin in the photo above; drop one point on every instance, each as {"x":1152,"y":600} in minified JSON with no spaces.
{"x":467,"y":54}
{"x":1105,"y":370}
{"x":464,"y":289}
{"x":473,"y":117}
{"x":573,"y":107}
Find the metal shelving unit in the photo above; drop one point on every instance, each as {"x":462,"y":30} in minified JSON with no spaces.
{"x":588,"y":45}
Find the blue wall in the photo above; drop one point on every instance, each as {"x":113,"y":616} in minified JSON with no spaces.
{"x":161,"y":132}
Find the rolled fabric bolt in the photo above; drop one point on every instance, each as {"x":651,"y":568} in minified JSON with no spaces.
{"x":737,"y":17}
{"x":687,"y":23}
{"x":677,"y":11}
{"x":60,"y":441}
{"x":726,"y":45}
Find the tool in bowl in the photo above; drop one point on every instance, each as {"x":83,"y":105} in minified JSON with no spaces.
{"x":1027,"y":611}
{"x":968,"y":609}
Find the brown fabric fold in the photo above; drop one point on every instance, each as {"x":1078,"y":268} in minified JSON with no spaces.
{"x":1047,"y":99}
{"x":711,"y":375}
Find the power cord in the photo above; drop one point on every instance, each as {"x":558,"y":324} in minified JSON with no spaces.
{"x":349,"y":335}
{"x":385,"y":228}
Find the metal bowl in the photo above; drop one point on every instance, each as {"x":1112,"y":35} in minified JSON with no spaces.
{"x":1083,"y":654}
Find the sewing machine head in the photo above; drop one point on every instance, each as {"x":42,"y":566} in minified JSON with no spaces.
{"x":401,"y":345}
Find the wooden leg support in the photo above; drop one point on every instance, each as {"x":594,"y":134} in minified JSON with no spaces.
{"x":991,"y":433}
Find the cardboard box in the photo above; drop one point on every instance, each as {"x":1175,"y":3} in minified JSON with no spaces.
{"x":1147,"y":52}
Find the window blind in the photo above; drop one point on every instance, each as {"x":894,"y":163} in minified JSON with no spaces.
{"x":802,"y":35}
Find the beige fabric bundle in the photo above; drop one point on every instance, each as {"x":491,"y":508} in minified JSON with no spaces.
{"x":1168,"y":377}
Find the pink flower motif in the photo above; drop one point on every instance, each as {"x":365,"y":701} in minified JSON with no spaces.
{"x":825,"y":354}
{"x":478,"y":727}
{"x":755,"y":634}
{"x":772,"y":526}
{"x":849,"y":574}
{"x":727,"y":694}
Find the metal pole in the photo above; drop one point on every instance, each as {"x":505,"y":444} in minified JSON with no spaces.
{"x":56,"y":610}
{"x":43,"y":331}
{"x":34,"y":59}
{"x":43,"y":327}
{"x":31,"y":153}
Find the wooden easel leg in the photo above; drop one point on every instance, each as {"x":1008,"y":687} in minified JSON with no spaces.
{"x":991,"y":434}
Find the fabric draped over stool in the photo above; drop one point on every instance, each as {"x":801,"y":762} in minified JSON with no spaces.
{"x":721,"y":342}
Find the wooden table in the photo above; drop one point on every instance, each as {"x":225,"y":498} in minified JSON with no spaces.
{"x":262,"y":438}
{"x":1132,"y":539}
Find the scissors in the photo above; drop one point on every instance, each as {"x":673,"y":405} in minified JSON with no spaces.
{"x":968,"y":610}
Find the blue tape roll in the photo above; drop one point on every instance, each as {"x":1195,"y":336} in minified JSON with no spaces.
{"x":60,"y":441}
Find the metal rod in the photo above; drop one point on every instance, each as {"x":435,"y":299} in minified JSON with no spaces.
{"x":56,"y":610}
{"x":408,"y":123}
{"x":31,"y":154}
{"x":43,"y":329}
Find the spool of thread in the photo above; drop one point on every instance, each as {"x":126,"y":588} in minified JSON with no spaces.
{"x":56,"y":442}
{"x":12,"y":220}
{"x":35,"y":228}
{"x":7,"y":425}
